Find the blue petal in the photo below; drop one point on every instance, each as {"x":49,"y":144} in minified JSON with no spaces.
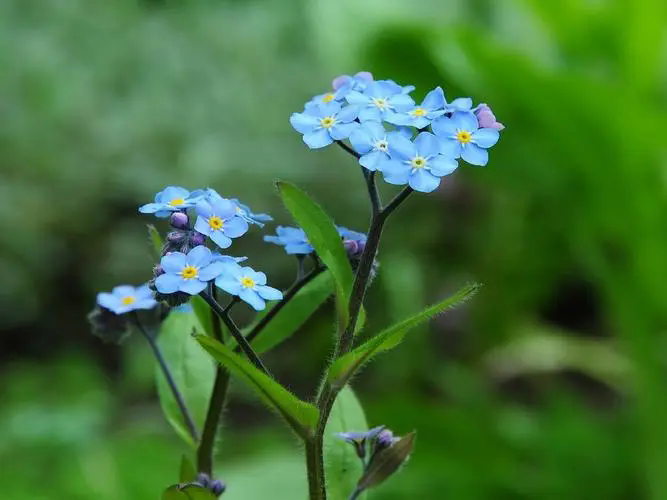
{"x":202,"y":226}
{"x":145,"y":304}
{"x":372,"y":160}
{"x":224,"y":208}
{"x":124,"y":291}
{"x":461,"y":103}
{"x":173,"y":262}
{"x":465,"y":121}
{"x":451,"y":148}
{"x":442,"y":165}
{"x":220,"y":239}
{"x":277,"y":240}
{"x":330,"y":108}
{"x":318,"y":139}
{"x":144,"y":292}
{"x":213,"y":270}
{"x":395,"y":172}
{"x":400,"y":148}
{"x":151,"y":208}
{"x":424,"y":181}
{"x":168,"y":283}
{"x":298,"y":248}
{"x":421,"y":122}
{"x":444,"y":127}
{"x":403,"y":118}
{"x":435,"y":99}
{"x":199,"y":256}
{"x":165,"y":212}
{"x":370,"y":113}
{"x":401,"y":102}
{"x":361,"y":139}
{"x":204,"y":208}
{"x":485,"y":137}
{"x":348,"y":113}
{"x":342,"y":130}
{"x":475,"y":155}
{"x":354,"y":97}
{"x":258,"y":277}
{"x":192,"y":286}
{"x":251,"y":297}
{"x":269,"y":293}
{"x":235,"y":227}
{"x":427,"y":144}
{"x":405,"y":132}
{"x":108,"y":301}
{"x":376,"y":129}
{"x":304,"y":123}
{"x":172,"y":192}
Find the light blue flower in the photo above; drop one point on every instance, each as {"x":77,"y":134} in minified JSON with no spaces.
{"x":248,"y":215}
{"x":188,"y":273}
{"x":218,"y":257}
{"x":417,"y":163}
{"x":458,"y":104}
{"x":422,"y":115}
{"x":460,"y":136}
{"x":126,"y":298}
{"x":327,"y":97}
{"x":293,"y":239}
{"x":379,"y":100}
{"x":217,"y":218}
{"x":371,"y":141}
{"x":171,"y":199}
{"x":247,"y":284}
{"x":325,"y":123}
{"x":357,"y":82}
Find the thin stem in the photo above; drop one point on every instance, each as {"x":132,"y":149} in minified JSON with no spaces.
{"x":355,"y":494}
{"x":212,"y":422}
{"x":236,"y":333}
{"x":315,"y":467}
{"x":376,"y":204}
{"x":215,"y":319}
{"x":187,"y":418}
{"x":348,"y":149}
{"x":396,"y":201}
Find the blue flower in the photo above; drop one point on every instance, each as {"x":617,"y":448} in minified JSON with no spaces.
{"x":247,"y":284}
{"x":417,"y":163}
{"x":336,"y":95}
{"x":458,"y":104}
{"x":357,"y":82}
{"x":126,"y":298}
{"x":171,"y":199}
{"x":217,"y":218}
{"x":248,"y":215}
{"x":371,"y":141}
{"x":359,"y":439}
{"x":218,"y":257}
{"x":187,"y":273}
{"x":379,"y":100}
{"x":421,"y":116}
{"x":325,"y":123}
{"x":461,"y":137}
{"x":293,"y":239}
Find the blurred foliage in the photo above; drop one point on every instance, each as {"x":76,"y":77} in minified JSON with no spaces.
{"x":103,"y":103}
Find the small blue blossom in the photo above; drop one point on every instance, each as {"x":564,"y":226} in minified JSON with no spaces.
{"x":380,"y":99}
{"x":458,"y":104}
{"x":218,"y":219}
{"x":187,"y":273}
{"x":422,"y":115}
{"x":249,"y":216}
{"x":371,"y":141}
{"x":325,"y":123}
{"x":327,"y":97}
{"x":218,"y":257}
{"x":126,"y":298}
{"x":171,"y":199}
{"x":359,"y":439}
{"x":417,"y":163}
{"x":294,"y":240}
{"x":357,"y":82}
{"x":461,"y":136}
{"x":247,"y":284}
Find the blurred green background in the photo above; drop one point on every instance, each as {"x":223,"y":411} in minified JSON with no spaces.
{"x":551,"y":384}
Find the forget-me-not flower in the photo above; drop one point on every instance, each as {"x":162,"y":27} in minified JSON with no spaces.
{"x":461,"y":136}
{"x":294,"y":240}
{"x":458,"y":104}
{"x":247,"y":284}
{"x":218,"y":257}
{"x":357,"y":82}
{"x":187,"y":273}
{"x":324,"y":123}
{"x":248,"y":215}
{"x":217,"y":218}
{"x":419,"y":164}
{"x":422,"y":115}
{"x":379,"y":100}
{"x":371,"y":141}
{"x":171,"y":199}
{"x":126,"y":298}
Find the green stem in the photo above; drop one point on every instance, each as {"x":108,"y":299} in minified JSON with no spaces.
{"x":315,"y":467}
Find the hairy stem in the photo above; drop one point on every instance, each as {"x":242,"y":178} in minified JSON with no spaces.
{"x":315,"y":466}
{"x":180,"y":401}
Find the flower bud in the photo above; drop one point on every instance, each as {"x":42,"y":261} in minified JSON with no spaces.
{"x":197,"y":239}
{"x":108,"y":326}
{"x":217,"y":487}
{"x":179,"y":220}
{"x":486,"y":118}
{"x":203,"y":479}
{"x":176,"y":236}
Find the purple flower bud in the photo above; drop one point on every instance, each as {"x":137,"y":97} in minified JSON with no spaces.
{"x":157,"y":271}
{"x":179,"y":220}
{"x":385,"y":439}
{"x":486,"y":118}
{"x":176,"y":236}
{"x":197,"y":239}
{"x":217,"y":487}
{"x":362,"y":76}
{"x":203,"y":480}
{"x":351,"y":247}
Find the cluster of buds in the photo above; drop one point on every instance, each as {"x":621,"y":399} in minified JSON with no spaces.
{"x":215,"y":486}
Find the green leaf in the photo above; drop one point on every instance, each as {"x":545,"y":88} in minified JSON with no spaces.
{"x":187,"y":492}
{"x":187,"y":471}
{"x":301,"y":416}
{"x":295,"y":313}
{"x":342,"y":465}
{"x":387,"y":462}
{"x":344,"y":367}
{"x":326,"y":241}
{"x":191,"y":368}
{"x":155,"y":241}
{"x":203,"y":313}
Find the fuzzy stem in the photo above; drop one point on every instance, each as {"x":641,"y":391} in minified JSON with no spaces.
{"x":315,"y":467}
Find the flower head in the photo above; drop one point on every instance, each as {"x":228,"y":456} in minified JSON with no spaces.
{"x":380,"y":99}
{"x":126,"y":298}
{"x":360,"y":439}
{"x":187,"y":273}
{"x":218,"y":257}
{"x":371,"y":141}
{"x":461,"y":136}
{"x":248,"y":215}
{"x":357,"y":82}
{"x":421,"y":116}
{"x":247,"y":284}
{"x":486,"y":118}
{"x":171,"y":199}
{"x":219,"y":220}
{"x":417,"y":163}
{"x":458,"y":104}
{"x":294,"y":240}
{"x":324,"y":123}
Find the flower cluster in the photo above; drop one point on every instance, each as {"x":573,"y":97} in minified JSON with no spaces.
{"x":410,"y":143}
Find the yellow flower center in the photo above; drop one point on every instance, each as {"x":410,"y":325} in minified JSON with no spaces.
{"x":189,"y":272}
{"x":419,"y":112}
{"x":247,"y":282}
{"x":129,"y":300}
{"x":380,"y":102}
{"x":382,"y":145}
{"x":327,"y":121}
{"x":464,"y":136}
{"x":418,"y":162}
{"x":216,"y":222}
{"x":176,"y":202}
{"x":328,"y":97}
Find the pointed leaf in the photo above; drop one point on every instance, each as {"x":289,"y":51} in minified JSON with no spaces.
{"x":187,"y":471}
{"x":301,"y":416}
{"x":342,"y":465}
{"x":344,"y":367}
{"x":324,"y":237}
{"x":387,"y":462}
{"x":155,"y":241}
{"x":192,"y":370}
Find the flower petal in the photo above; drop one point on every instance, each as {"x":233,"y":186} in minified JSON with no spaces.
{"x":220,"y":239}
{"x":348,"y":113}
{"x":370,"y":113}
{"x":424,"y":181}
{"x":444,"y":127}
{"x":465,"y":120}
{"x":475,"y":155}
{"x":372,"y":160}
{"x":251,"y":297}
{"x":192,"y":287}
{"x":213,"y":270}
{"x":451,"y":148}
{"x":124,"y":291}
{"x":442,"y":165}
{"x":168,"y":283}
{"x":401,"y":102}
{"x":108,"y":301}
{"x":485,"y":137}
{"x":173,"y":262}
{"x":235,"y":227}
{"x":342,"y":130}
{"x":317,"y":139}
{"x":202,"y":226}
{"x":199,"y":256}
{"x":269,"y":293}
{"x":395,"y":172}
{"x":361,"y":139}
{"x":204,"y":208}
{"x":427,"y":144}
{"x":298,"y":248}
{"x":354,"y":97}
{"x":400,"y":148}
{"x":304,"y":123}
{"x":151,"y":208}
{"x":461,"y":103}
{"x":435,"y":99}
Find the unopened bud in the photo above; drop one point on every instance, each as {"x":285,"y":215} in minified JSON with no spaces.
{"x":197,"y":239}
{"x":176,"y":236}
{"x":486,"y":118}
{"x":217,"y":487}
{"x":179,"y":220}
